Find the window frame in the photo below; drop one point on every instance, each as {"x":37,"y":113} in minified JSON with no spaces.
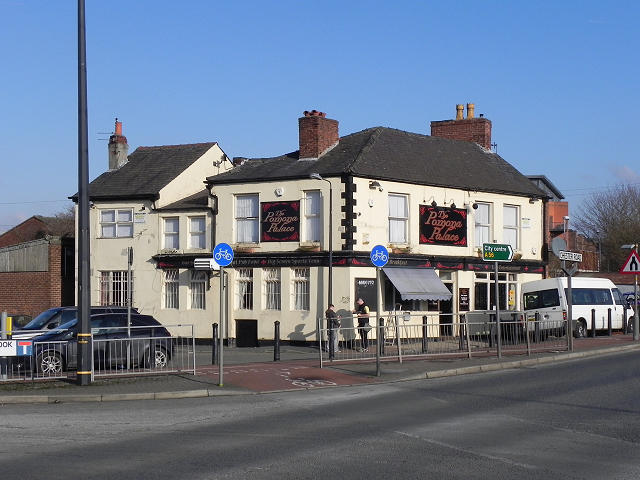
{"x":174,"y":235}
{"x":114,"y":287}
{"x":272,"y":288}
{"x":198,"y":289}
{"x":118,"y":224}
{"x":301,"y":289}
{"x":313,"y":216}
{"x":244,"y":289}
{"x":247,"y":220}
{"x":398,"y":219}
{"x":171,"y":289}
{"x":510,"y":230}
{"x":480,"y":226}
{"x":200,"y":235}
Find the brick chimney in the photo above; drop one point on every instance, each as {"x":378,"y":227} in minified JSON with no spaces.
{"x":318,"y":134}
{"x":118,"y":148}
{"x":469,"y":129}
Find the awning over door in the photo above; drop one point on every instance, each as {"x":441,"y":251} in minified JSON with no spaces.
{"x":418,"y":283}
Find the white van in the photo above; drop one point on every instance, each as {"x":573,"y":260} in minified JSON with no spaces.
{"x":548,"y":298}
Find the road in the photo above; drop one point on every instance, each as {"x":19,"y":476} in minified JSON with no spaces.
{"x":569,"y":420}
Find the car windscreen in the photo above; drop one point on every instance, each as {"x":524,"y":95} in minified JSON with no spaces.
{"x":39,"y":322}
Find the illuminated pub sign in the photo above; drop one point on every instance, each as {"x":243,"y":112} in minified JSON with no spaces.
{"x":280,"y":221}
{"x":443,"y":226}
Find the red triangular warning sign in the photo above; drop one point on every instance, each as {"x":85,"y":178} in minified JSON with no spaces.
{"x":632,"y":264}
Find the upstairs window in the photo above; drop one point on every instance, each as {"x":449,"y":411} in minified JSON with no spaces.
{"x":172,"y":233}
{"x":483,"y":224}
{"x":247,"y":225}
{"x":510,"y":220}
{"x":197,"y":232}
{"x":116,"y":223}
{"x":398,"y":218}
{"x":312,"y":219}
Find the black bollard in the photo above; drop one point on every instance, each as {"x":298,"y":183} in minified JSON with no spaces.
{"x":276,"y":343}
{"x":536,"y":335}
{"x":593,"y":323}
{"x":624,"y":321}
{"x":609,"y":326}
{"x":214,"y":346}
{"x":425,"y":334}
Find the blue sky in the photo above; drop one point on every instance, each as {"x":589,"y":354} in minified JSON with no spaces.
{"x":558,"y":80}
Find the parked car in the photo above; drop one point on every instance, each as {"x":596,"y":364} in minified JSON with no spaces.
{"x":54,"y":317}
{"x":151,"y":344}
{"x":18,"y":320}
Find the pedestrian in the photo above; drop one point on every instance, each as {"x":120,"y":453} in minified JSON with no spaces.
{"x":333,"y":324}
{"x":362,"y":310}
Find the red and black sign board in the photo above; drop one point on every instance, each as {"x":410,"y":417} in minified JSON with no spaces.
{"x":443,"y":226}
{"x":280,"y":221}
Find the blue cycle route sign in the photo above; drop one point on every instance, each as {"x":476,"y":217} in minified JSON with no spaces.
{"x":379,"y":256}
{"x":223,"y":254}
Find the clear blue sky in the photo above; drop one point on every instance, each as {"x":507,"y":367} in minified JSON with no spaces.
{"x":558,"y":80}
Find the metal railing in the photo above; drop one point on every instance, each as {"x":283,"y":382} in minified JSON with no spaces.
{"x":402,"y":334}
{"x":116,"y":352}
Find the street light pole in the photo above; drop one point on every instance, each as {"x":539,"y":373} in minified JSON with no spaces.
{"x":317,"y":176}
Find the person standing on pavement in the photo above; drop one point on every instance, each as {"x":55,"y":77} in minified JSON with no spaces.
{"x":362,"y":310}
{"x":333,"y":324}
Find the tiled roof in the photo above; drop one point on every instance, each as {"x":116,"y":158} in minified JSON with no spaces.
{"x":388,"y":154}
{"x":147,"y":171}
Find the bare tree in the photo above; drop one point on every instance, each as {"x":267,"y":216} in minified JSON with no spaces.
{"x":63,"y":222}
{"x":612,"y":219}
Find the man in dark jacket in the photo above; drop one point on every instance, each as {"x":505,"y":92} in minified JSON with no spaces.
{"x":362,"y":310}
{"x":333,"y":323}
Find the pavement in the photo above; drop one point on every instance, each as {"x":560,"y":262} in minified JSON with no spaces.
{"x":251,"y":371}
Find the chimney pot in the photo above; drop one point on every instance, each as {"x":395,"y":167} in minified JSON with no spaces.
{"x":459,"y":112}
{"x":470,"y":108}
{"x":118,"y":127}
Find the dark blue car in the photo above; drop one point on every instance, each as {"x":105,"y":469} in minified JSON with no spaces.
{"x":143,"y":343}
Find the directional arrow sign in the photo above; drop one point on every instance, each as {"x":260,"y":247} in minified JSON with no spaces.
{"x":496,"y":252}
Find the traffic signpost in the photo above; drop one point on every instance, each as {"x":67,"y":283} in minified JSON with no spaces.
{"x":223,"y":256}
{"x":379,"y":257}
{"x":497,"y":252}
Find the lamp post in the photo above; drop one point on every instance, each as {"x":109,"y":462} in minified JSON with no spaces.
{"x":317,"y":176}
{"x":634,"y":247}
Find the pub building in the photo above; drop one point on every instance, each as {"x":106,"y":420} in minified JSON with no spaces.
{"x":302,"y":227}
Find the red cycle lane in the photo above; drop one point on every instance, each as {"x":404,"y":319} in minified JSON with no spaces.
{"x":262,"y":377}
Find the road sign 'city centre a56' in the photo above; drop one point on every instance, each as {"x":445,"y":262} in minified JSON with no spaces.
{"x":497,"y":252}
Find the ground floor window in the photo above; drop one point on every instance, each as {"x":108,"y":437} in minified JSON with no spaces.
{"x":244,"y":289}
{"x":485,"y":291}
{"x":114,"y":288}
{"x":171,"y":288}
{"x":197,"y":289}
{"x":272,"y":289}
{"x":300,"y":291}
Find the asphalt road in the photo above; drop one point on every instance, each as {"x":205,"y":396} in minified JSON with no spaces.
{"x":567,"y":420}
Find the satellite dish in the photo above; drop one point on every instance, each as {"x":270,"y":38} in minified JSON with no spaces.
{"x":558,"y":244}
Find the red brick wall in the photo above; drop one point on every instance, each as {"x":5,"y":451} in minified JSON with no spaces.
{"x":31,"y":293}
{"x":476,"y":130}
{"x":317,"y":134}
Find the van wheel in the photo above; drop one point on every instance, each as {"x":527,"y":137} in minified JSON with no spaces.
{"x":580,"y":331}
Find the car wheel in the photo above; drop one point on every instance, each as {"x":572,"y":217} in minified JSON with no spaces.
{"x":157,"y":357}
{"x":580,"y":330}
{"x":49,"y":363}
{"x":630,"y":326}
